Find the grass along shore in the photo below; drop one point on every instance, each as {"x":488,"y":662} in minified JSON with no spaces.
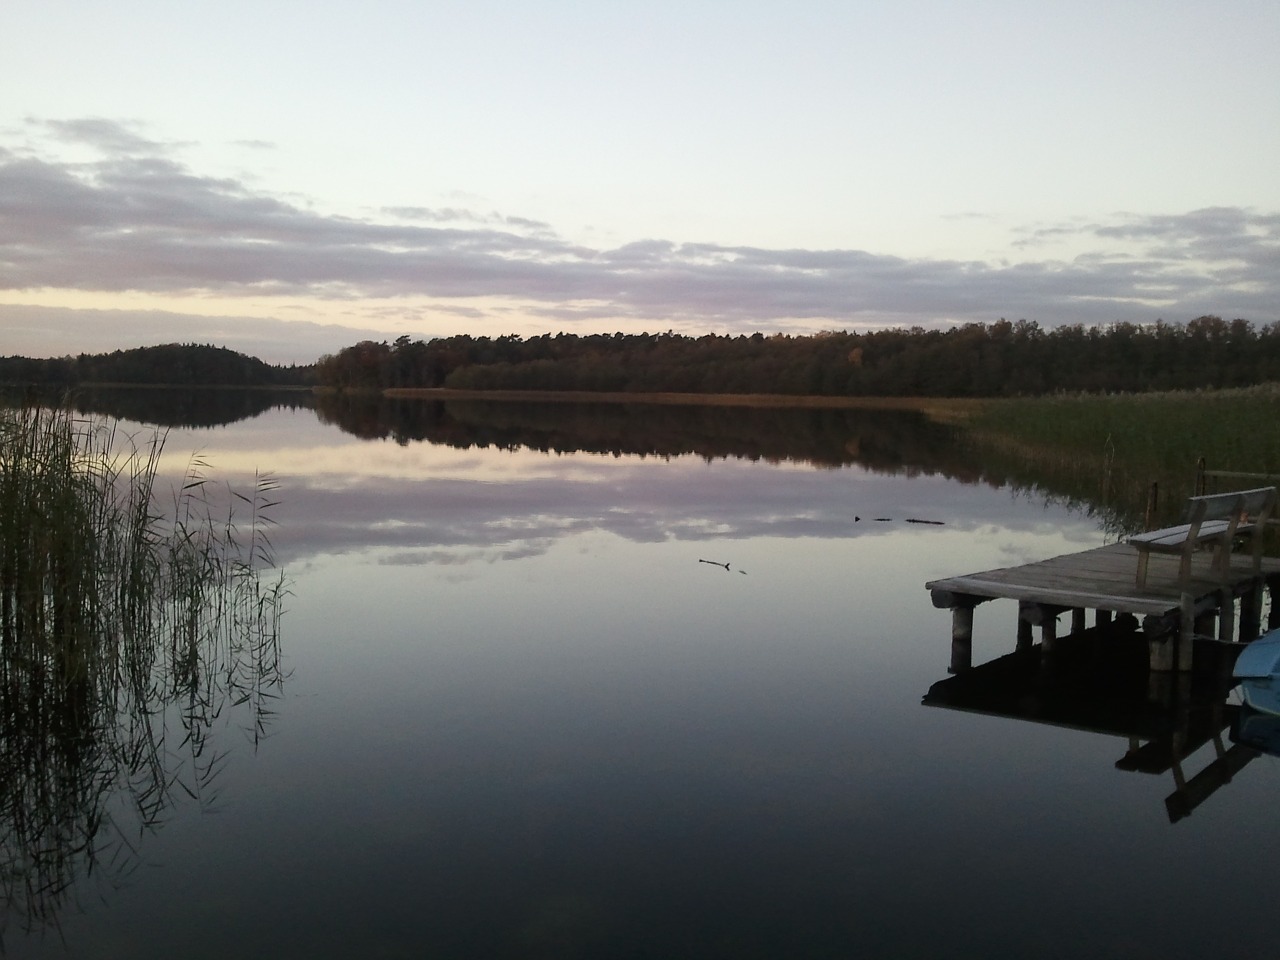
{"x":1232,"y":429}
{"x":1111,"y":449}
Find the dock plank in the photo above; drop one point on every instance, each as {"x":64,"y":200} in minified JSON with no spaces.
{"x":1102,"y":578}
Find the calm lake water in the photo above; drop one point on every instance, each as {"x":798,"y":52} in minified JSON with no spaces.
{"x":523,"y":718}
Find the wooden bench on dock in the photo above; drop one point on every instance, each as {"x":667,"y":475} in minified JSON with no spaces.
{"x":1214,"y":521}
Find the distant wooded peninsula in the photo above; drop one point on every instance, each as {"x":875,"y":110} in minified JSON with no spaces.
{"x":171,"y":364}
{"x":974,"y":360}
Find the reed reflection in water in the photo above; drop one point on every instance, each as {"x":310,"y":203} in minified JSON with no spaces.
{"x":127,"y":631}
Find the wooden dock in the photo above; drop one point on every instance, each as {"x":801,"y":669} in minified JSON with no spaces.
{"x":1103,"y":579}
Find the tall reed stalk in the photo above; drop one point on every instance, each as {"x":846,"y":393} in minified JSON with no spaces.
{"x":124,"y":630}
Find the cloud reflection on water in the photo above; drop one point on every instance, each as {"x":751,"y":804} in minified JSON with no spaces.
{"x":426,"y":503}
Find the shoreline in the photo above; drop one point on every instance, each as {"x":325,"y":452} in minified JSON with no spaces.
{"x":957,"y":408}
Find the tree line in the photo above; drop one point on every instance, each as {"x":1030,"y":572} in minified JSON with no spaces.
{"x":973,"y":360}
{"x":170,"y":364}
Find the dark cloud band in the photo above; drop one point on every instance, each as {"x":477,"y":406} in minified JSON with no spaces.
{"x":136,"y":219}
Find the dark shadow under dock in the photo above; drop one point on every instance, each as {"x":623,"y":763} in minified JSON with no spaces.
{"x":1100,"y":684}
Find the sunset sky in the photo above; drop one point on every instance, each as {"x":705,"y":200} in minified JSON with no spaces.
{"x":287,"y":178}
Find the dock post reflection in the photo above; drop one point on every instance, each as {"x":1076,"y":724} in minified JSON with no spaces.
{"x":1025,"y":636}
{"x":1097,"y":680}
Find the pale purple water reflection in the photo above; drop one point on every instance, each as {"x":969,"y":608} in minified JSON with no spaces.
{"x":524,"y":720}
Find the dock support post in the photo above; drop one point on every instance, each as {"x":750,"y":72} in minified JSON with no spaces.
{"x":961,"y":606}
{"x":1024,"y":627}
{"x":1077,"y":620}
{"x":1163,"y":632}
{"x":1045,"y":617}
{"x":1160,"y":684}
{"x":1186,"y":648}
{"x":1049,"y":633}
{"x":1153,"y":506}
{"x":961,"y":638}
{"x":1160,"y":649}
{"x":1025,"y":638}
{"x":1273,"y":616}
{"x":1186,"y":632}
{"x":1206,"y":623}
{"x":1102,"y":618}
{"x":1226,"y":616}
{"x":1251,"y":612}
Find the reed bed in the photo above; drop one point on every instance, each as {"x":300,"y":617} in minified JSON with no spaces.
{"x":126,"y":625}
{"x":1110,"y":449}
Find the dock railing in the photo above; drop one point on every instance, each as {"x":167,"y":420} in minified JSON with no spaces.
{"x":1204,"y":475}
{"x":1215,"y":481}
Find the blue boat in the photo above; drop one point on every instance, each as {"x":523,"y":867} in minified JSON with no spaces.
{"x":1258,"y":670}
{"x":1258,"y":730}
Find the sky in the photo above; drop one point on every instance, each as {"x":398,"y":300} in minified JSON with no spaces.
{"x":288,"y":178}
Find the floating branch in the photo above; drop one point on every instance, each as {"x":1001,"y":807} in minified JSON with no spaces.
{"x":717,"y":563}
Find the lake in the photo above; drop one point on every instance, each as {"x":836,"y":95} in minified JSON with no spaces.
{"x":569,"y":681}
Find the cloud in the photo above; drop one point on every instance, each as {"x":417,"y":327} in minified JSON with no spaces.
{"x":459,"y":214}
{"x":136,"y":218}
{"x":108,"y":136}
{"x":37,"y":331}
